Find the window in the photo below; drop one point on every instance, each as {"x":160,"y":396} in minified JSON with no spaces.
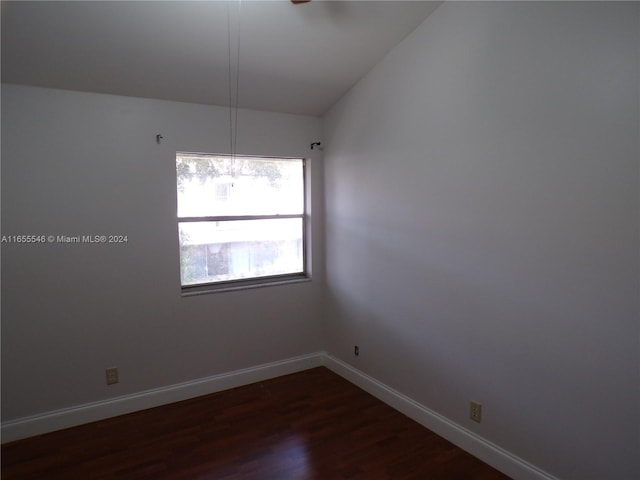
{"x":241,"y":220}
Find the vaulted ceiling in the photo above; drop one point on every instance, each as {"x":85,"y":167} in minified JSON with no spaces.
{"x":291,"y":58}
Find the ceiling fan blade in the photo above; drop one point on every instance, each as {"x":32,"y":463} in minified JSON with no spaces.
{"x":296,"y":2}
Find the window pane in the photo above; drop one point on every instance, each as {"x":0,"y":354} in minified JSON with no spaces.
{"x":233,"y":250}
{"x":210,"y":185}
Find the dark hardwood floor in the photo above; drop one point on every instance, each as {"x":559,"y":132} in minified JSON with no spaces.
{"x":309,"y":425}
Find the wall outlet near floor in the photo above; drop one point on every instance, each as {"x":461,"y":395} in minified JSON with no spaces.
{"x":112,"y":375}
{"x":356,"y":350}
{"x":475,"y":411}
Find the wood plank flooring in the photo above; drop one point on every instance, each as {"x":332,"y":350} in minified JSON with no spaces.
{"x":309,"y":425}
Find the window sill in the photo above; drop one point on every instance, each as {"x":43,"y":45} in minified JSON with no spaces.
{"x":207,"y":289}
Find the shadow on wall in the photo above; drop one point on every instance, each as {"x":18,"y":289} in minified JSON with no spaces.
{"x":441,"y":315}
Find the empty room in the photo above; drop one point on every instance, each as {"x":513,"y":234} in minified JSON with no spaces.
{"x":325,"y":240}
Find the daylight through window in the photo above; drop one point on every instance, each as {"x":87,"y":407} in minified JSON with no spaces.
{"x":241,"y":220}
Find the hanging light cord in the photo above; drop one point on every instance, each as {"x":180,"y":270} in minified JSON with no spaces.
{"x":229,"y":72}
{"x":233,"y":104}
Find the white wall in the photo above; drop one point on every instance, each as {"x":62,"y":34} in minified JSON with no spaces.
{"x":78,"y":163}
{"x":481,"y":189}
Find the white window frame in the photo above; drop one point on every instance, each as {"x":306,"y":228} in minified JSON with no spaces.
{"x":259,"y":281}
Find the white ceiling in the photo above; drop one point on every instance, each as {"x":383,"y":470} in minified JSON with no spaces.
{"x":293,"y":58}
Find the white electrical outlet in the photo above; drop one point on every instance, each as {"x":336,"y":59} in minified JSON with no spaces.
{"x":112,"y":375}
{"x":475,"y":411}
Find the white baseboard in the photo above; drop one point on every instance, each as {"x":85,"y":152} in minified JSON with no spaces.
{"x":70,"y":417}
{"x":486,"y":451}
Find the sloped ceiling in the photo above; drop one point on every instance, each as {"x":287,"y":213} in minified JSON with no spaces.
{"x":292,"y":58}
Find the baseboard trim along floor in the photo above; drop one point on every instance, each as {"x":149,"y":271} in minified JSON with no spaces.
{"x":491,"y":454}
{"x":486,"y":451}
{"x":91,"y":412}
